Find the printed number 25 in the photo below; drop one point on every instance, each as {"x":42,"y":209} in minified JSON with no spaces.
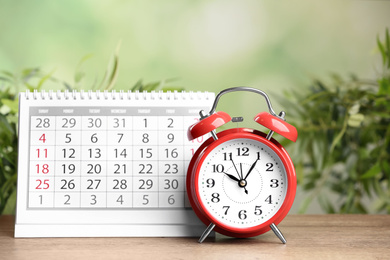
{"x":42,"y":185}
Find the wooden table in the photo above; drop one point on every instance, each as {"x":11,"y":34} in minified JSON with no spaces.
{"x":308,"y":237}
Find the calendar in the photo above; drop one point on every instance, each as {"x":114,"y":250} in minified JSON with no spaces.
{"x":106,"y":164}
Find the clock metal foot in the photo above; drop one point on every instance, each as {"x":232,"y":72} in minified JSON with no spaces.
{"x":206,"y":232}
{"x":277,"y":232}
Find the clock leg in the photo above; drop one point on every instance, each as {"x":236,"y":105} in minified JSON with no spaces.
{"x":206,"y":232}
{"x":277,"y":232}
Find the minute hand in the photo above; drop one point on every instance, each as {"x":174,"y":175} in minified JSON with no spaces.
{"x":250,"y":170}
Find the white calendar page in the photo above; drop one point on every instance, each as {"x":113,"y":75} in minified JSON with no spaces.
{"x":106,"y":164}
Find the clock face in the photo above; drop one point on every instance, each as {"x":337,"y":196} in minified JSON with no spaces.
{"x":242,"y":183}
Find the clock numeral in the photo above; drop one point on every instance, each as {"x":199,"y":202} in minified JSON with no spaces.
{"x":227,"y":156}
{"x":210,"y":183}
{"x":242,"y":214}
{"x":218,"y":168}
{"x":215,"y":197}
{"x":269,"y":199}
{"x":274,"y":183}
{"x":243,"y":151}
{"x":258,"y":210}
{"x":270,"y":167}
{"x":227,"y":209}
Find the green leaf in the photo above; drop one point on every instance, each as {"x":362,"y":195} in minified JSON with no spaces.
{"x":172,"y":89}
{"x":137,"y":86}
{"x":6,"y":79}
{"x":115,"y":69}
{"x":299,"y":172}
{"x":372,"y":172}
{"x":305,"y":205}
{"x":326,"y":205}
{"x":355,"y":120}
{"x":153,"y":85}
{"x":12,"y":104}
{"x":27,"y":74}
{"x":354,"y":109}
{"x":114,"y":74}
{"x":6,"y":127}
{"x":7,"y":73}
{"x":360,"y":208}
{"x":388,"y":47}
{"x":79,"y":74}
{"x":382,"y":50}
{"x":10,"y":206}
{"x":44,"y":79}
{"x":384,"y":86}
{"x":340,"y":135}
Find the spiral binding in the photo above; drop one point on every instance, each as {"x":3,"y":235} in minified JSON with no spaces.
{"x":120,"y":95}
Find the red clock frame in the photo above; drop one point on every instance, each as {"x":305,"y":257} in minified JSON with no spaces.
{"x":193,"y":174}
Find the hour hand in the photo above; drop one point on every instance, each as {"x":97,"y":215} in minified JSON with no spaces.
{"x":231,"y":177}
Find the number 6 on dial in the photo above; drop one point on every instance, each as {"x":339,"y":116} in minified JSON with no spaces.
{"x":241,"y":182}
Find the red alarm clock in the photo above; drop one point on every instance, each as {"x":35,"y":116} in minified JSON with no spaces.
{"x":241,"y":182}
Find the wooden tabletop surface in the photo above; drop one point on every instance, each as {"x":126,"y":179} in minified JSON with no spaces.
{"x":308,"y":237}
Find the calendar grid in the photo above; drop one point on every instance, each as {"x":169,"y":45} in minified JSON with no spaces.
{"x":146,"y":171}
{"x":79,"y":179}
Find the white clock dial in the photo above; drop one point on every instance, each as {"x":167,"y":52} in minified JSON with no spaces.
{"x":242,"y":183}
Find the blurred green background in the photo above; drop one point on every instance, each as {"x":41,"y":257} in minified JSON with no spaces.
{"x":210,"y":45}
